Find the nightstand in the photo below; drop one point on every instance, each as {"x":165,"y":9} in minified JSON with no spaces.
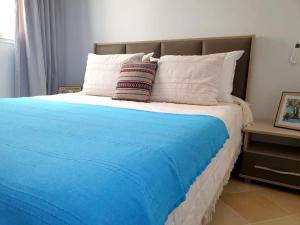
{"x":69,"y":89}
{"x":268,"y":162}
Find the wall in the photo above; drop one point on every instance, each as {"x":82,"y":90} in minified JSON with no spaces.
{"x":6,"y":68}
{"x":274,"y":22}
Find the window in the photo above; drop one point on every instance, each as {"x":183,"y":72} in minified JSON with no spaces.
{"x":7,"y":19}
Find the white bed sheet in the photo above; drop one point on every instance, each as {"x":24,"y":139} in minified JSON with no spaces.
{"x":205,"y":191}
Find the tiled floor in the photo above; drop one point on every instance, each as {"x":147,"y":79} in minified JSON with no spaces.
{"x":257,"y":204}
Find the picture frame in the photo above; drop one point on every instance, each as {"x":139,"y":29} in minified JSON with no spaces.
{"x":288,"y":114}
{"x":69,"y":89}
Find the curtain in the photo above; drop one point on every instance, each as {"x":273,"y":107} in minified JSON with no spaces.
{"x":39,"y":50}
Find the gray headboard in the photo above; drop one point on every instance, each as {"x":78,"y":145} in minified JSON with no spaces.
{"x":199,"y":46}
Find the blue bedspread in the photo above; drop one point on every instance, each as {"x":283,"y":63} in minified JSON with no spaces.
{"x":64,"y":163}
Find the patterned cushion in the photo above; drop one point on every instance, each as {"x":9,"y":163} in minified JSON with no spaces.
{"x":135,"y":81}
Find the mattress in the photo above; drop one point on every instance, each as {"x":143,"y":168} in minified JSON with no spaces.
{"x":203,"y":194}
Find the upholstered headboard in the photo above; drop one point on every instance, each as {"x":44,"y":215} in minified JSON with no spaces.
{"x":199,"y":46}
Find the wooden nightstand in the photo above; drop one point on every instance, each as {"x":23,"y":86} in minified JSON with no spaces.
{"x":270,"y":162}
{"x":69,"y":89}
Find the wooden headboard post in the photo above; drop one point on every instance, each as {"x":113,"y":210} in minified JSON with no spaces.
{"x":197,"y":46}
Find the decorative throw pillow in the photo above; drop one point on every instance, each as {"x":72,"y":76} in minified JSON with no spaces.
{"x":135,"y":81}
{"x":188,"y":79}
{"x":102,"y":72}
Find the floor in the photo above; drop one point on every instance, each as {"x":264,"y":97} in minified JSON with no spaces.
{"x":257,"y":204}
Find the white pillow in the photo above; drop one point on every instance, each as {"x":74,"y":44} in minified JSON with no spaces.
{"x":147,"y":57}
{"x":227,"y":76}
{"x":152,"y":59}
{"x":188,"y":79}
{"x":102,"y":72}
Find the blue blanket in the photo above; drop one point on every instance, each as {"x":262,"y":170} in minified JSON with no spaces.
{"x":63,"y":163}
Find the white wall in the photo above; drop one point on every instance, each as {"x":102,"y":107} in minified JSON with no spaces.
{"x":6,"y":69}
{"x":276,"y":24}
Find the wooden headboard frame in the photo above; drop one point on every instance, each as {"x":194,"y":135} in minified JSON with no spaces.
{"x":198,"y":46}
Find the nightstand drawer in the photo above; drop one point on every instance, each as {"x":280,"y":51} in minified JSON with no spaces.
{"x":271,"y":168}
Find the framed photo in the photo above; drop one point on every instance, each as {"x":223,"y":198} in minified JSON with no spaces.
{"x":288,"y":115}
{"x":69,"y":89}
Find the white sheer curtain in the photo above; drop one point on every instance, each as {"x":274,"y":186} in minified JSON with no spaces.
{"x":39,"y":47}
{"x":7,"y":19}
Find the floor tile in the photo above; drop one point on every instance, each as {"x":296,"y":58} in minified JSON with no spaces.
{"x":235,"y":186}
{"x":286,"y":199}
{"x":287,"y":220}
{"x":224,"y":215}
{"x":253,"y":206}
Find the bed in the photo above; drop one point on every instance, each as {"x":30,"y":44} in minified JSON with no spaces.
{"x":198,"y":204}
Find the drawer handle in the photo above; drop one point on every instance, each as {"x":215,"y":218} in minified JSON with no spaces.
{"x":276,"y":171}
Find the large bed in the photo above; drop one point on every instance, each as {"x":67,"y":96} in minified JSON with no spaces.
{"x":204,"y":193}
{"x":198,"y":205}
